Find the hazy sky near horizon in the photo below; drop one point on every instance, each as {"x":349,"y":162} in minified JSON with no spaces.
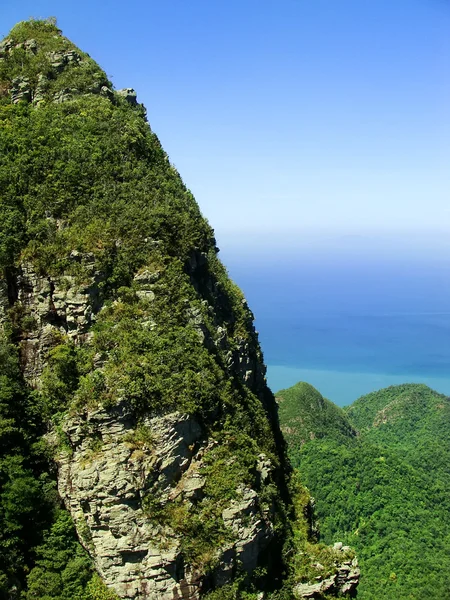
{"x":288,"y":119}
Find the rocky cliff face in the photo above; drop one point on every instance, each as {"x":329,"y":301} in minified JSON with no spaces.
{"x":142,"y":353}
{"x":106,"y":488}
{"x":342,"y":583}
{"x":118,"y":473}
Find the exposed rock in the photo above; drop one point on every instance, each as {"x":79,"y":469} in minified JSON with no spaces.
{"x":41,"y":89}
{"x":54,"y":305}
{"x":242,"y":361}
{"x":146,"y":277}
{"x":136,"y":475}
{"x":5,"y":47}
{"x":103,"y":481}
{"x":107,"y":92}
{"x":264,"y":467}
{"x":129,"y":95}
{"x":60,"y":60}
{"x":253,"y":533}
{"x":106,"y":475}
{"x":103,"y":489}
{"x":21,"y":90}
{"x":31,"y":46}
{"x":343,"y":583}
{"x":195,"y":318}
{"x":8,"y":46}
{"x":65,"y":95}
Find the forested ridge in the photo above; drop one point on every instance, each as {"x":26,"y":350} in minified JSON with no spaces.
{"x":119,"y":322}
{"x":379,"y":472}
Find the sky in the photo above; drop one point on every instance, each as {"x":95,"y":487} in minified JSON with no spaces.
{"x":311,"y":123}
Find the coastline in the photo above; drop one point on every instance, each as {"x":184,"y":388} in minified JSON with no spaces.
{"x":342,"y":387}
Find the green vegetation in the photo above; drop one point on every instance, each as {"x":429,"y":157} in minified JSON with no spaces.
{"x":91,"y":207}
{"x":89,"y":199}
{"x":63,"y":569}
{"x":23,"y":495}
{"x":305,"y":415}
{"x":35,"y":533}
{"x":385,"y":492}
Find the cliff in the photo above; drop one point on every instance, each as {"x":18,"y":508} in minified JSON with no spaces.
{"x":141,"y":365}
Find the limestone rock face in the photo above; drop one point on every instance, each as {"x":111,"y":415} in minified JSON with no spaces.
{"x":53,"y":306}
{"x":141,"y":352}
{"x":343,"y":582}
{"x":106,"y":474}
{"x":21,"y":90}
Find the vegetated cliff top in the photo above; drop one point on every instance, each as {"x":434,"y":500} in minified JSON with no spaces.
{"x":78,"y":173}
{"x":36,"y":52}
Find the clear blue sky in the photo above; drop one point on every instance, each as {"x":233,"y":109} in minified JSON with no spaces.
{"x":289,"y":120}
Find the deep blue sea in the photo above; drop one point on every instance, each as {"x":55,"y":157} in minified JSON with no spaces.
{"x":347,"y":324}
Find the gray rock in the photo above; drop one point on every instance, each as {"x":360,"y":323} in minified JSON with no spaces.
{"x":107,"y":92}
{"x":31,"y":46}
{"x":103,"y":492}
{"x":105,"y":476}
{"x":20,"y":90}
{"x":129,"y":95}
{"x":146,"y":277}
{"x":6,"y":47}
{"x":57,"y":306}
{"x":41,"y":89}
{"x":343,"y":583}
{"x":59,"y":60}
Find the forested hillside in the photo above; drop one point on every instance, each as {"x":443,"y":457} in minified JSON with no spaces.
{"x":386,"y":490}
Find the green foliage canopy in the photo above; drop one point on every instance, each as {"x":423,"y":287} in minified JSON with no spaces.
{"x":385,"y":492}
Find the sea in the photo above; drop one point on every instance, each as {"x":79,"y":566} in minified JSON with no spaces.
{"x":349,"y":323}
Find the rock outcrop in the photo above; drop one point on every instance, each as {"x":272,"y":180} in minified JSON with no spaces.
{"x":54,"y":63}
{"x":52,"y":306}
{"x":343,"y":583}
{"x":108,"y":477}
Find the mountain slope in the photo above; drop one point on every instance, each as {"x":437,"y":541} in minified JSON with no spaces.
{"x":305,"y":415}
{"x":141,"y":355}
{"x":135,"y":388}
{"x":386,"y":491}
{"x":412,"y":419}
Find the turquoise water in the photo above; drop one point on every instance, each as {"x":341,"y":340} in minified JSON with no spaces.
{"x":351,"y":326}
{"x":344,"y":387}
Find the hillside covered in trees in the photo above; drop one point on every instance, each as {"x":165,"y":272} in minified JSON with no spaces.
{"x":379,"y":472}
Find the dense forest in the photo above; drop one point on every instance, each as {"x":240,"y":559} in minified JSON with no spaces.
{"x":379,"y":472}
